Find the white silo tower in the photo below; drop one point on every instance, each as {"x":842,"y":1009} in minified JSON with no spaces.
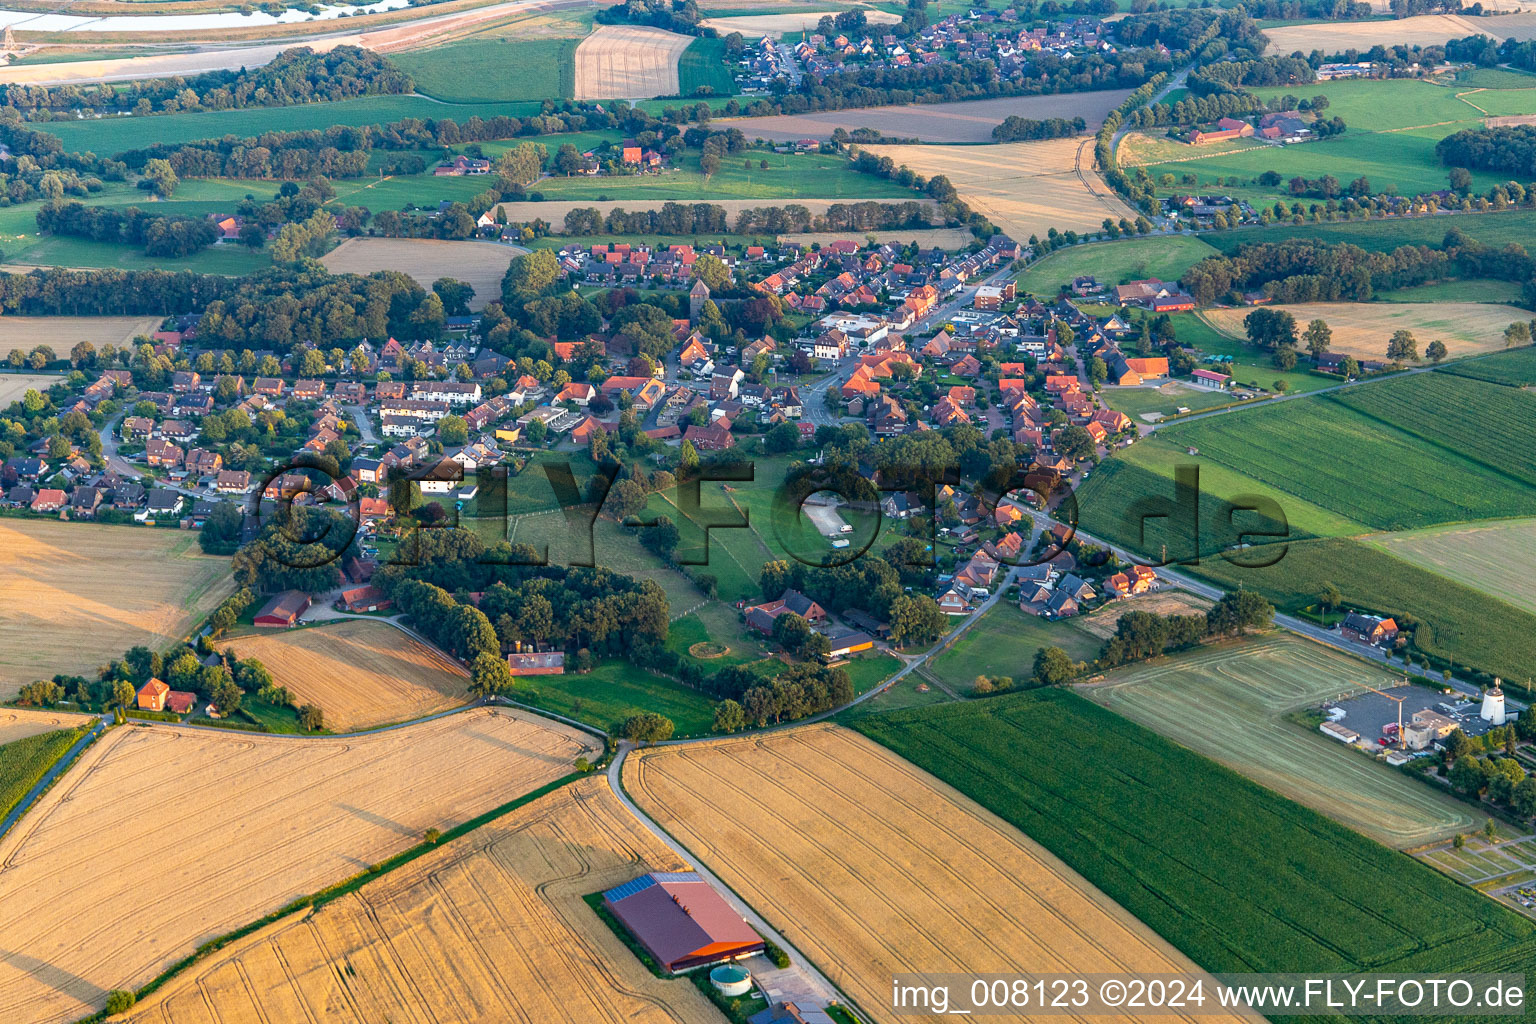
{"x":1493,"y":705}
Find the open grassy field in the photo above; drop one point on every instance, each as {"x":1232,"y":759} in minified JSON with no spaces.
{"x":1456,"y":622}
{"x":620,"y":62}
{"x":876,"y":867}
{"x":118,"y":134}
{"x":491,"y":927}
{"x":494,"y":70}
{"x":1025,"y":188}
{"x":1227,"y":702}
{"x":788,"y":177}
{"x":15,"y":385}
{"x":1361,"y":329}
{"x":242,"y":824}
{"x":964,"y":121}
{"x":755,"y":26}
{"x":1103,"y":621}
{"x":1491,"y":557}
{"x":1004,"y":643}
{"x":73,"y":596}
{"x":1495,"y":228}
{"x":26,"y":759}
{"x":612,"y":692}
{"x":1250,"y":365}
{"x":360,"y":673}
{"x":701,"y":69}
{"x":1113,"y":263}
{"x":49,"y":251}
{"x":1148,"y":405}
{"x":1345,"y":450}
{"x":1459,"y":291}
{"x":478,"y":264}
{"x":62,"y":333}
{"x":1132,"y":812}
{"x":1422,"y":30}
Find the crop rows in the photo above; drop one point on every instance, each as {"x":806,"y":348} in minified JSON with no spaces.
{"x":1236,"y":876}
{"x":1516,"y":368}
{"x":24,"y":761}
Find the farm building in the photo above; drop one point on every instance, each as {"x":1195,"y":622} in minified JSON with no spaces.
{"x":365,"y":599}
{"x":682,"y":920}
{"x":536,"y":663}
{"x":152,"y":695}
{"x":284,"y":609}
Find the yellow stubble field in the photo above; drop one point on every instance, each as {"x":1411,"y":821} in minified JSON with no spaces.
{"x":492,"y":928}
{"x":160,"y":838}
{"x":620,"y":62}
{"x":872,"y":867}
{"x":1361,"y":329}
{"x":1025,"y":188}
{"x":360,"y":673}
{"x":73,"y":596}
{"x":62,"y":333}
{"x":478,"y":264}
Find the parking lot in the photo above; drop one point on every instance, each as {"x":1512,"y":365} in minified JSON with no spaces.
{"x":1369,"y":712}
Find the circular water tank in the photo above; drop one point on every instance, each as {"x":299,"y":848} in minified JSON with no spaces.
{"x":1493,"y":707}
{"x":731,"y":980}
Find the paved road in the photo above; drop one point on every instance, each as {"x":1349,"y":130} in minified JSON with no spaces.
{"x":826,"y":990}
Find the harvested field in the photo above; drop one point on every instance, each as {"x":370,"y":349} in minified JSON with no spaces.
{"x":491,"y":928}
{"x":19,"y":723}
{"x":1421,"y":30}
{"x":877,"y":867}
{"x":970,"y":121}
{"x":1228,"y":702}
{"x":554,"y":212}
{"x":361,"y":673}
{"x":755,"y":26}
{"x":626,"y":62}
{"x":14,"y":385}
{"x":241,"y":825}
{"x":1025,"y":188}
{"x":1361,"y":329}
{"x":62,"y":333}
{"x":75,"y":595}
{"x":1492,"y":557}
{"x":479,"y":264}
{"x":1103,"y":622}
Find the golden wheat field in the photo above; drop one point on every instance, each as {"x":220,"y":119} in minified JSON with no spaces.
{"x":626,"y":62}
{"x":62,"y":333}
{"x":1025,"y":188}
{"x":873,"y":867}
{"x":360,"y":673}
{"x":73,"y":596}
{"x":478,"y":264}
{"x":19,"y":723}
{"x":1361,"y":329}
{"x":1103,"y":622}
{"x":161,"y":838}
{"x":965,"y":121}
{"x":491,"y":928}
{"x":1420,"y":30}
{"x":755,"y":26}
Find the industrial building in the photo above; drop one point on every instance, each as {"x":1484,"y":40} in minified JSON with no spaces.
{"x":681,"y":920}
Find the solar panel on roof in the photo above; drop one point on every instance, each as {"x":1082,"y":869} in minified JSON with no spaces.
{"x":644,"y":882}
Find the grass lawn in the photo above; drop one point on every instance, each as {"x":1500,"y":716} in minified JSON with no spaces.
{"x":494,"y":70}
{"x":1471,"y":290}
{"x":1146,"y":404}
{"x":66,"y":251}
{"x":871,"y":669}
{"x":789,"y":177}
{"x":109,"y":135}
{"x":1115,"y":263}
{"x":1494,"y":78}
{"x":1134,"y":813}
{"x":24,"y":761}
{"x":905,"y":694}
{"x":1004,"y":643}
{"x":701,"y":69}
{"x":612,"y":692}
{"x":1229,"y":702}
{"x":741,"y":647}
{"x":1250,"y":365}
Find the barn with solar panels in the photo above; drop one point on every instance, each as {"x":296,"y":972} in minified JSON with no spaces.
{"x":682,"y":920}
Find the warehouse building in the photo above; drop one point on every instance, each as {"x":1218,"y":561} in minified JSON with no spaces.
{"x":682,"y":920}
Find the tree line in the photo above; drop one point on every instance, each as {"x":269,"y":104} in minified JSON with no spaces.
{"x":166,"y":236}
{"x":1016,"y":129}
{"x":299,"y":75}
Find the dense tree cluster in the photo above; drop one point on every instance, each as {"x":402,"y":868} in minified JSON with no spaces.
{"x":340,"y":151}
{"x":1229,"y":76}
{"x":1017,"y":129}
{"x":1308,"y":270}
{"x":680,"y":16}
{"x":58,"y":292}
{"x":1510,"y":149}
{"x":163,"y":236}
{"x":299,"y":75}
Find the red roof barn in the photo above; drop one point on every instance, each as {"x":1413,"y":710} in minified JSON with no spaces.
{"x":682,"y":920}
{"x":284,"y":609}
